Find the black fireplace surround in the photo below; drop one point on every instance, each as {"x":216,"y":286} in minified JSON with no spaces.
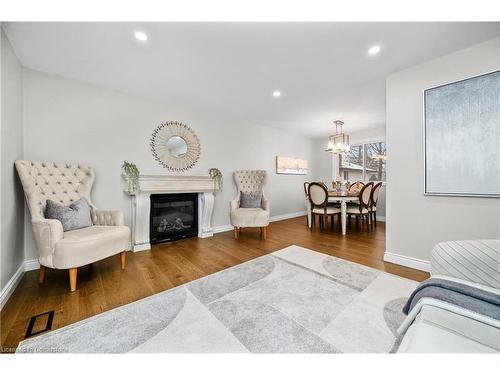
{"x":173,"y":217}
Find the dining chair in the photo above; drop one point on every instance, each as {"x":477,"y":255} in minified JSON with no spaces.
{"x":373,"y":203}
{"x":306,"y":187}
{"x":318,"y":198}
{"x":308,"y":207}
{"x":363,"y":209}
{"x":356,"y":186}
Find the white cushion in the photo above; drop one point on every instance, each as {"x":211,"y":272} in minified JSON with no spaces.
{"x":329,"y":210}
{"x":355,"y":210}
{"x":436,"y":330}
{"x":87,"y":245}
{"x":249,"y":217}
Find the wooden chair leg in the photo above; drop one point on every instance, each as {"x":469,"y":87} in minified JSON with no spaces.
{"x":313,"y":219}
{"x":235,"y":233}
{"x":41,"y":274}
{"x":375,"y":218}
{"x":264,"y":232}
{"x":123,"y":259}
{"x":72,"y":279}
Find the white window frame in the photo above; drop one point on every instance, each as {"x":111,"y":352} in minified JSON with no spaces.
{"x":363,"y":142}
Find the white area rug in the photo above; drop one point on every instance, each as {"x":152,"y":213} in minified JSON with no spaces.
{"x":291,"y":301}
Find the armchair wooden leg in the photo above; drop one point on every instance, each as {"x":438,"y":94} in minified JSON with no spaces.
{"x":123,"y":259}
{"x":264,"y":232}
{"x":72,"y":279}
{"x":235,"y":233}
{"x":41,"y":274}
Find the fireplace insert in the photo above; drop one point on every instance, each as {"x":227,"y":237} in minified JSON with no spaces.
{"x":173,"y":217}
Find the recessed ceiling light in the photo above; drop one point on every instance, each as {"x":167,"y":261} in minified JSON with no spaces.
{"x":374,"y":50}
{"x":141,"y":36}
{"x":276,"y":93}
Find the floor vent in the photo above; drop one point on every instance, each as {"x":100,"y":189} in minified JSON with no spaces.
{"x":38,"y":321}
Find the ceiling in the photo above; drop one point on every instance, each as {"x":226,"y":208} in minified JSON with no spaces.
{"x":231,"y":69}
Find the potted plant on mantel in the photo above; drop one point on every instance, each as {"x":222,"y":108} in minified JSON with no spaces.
{"x":132,"y":173}
{"x":217,"y":177}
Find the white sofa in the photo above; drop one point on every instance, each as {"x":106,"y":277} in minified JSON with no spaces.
{"x":434,"y":326}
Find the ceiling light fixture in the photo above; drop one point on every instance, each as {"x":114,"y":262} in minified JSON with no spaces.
{"x":339,"y":142}
{"x":141,"y":36}
{"x":276,"y":93}
{"x":374,"y":50}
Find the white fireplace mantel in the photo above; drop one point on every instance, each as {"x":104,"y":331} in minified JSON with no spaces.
{"x":205,"y":186}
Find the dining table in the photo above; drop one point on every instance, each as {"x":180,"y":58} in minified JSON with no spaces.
{"x":343,"y":197}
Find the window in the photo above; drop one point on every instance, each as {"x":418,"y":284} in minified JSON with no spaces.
{"x":364,"y":162}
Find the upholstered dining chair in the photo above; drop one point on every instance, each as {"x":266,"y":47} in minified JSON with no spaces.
{"x":356,"y":186}
{"x":58,"y":249}
{"x":308,"y":206}
{"x":318,"y":198}
{"x":362,"y":210}
{"x":373,"y":203}
{"x":250,"y":181}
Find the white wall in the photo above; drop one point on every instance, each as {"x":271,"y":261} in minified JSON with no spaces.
{"x":322,"y":165}
{"x":69,"y":121}
{"x":416,"y":222}
{"x":12,"y":215}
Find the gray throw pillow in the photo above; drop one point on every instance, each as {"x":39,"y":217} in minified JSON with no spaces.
{"x":251,"y":200}
{"x":74,"y":216}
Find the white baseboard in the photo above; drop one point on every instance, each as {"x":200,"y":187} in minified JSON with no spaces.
{"x":291,"y":215}
{"x":27,"y":265}
{"x":222,"y":228}
{"x":229,"y":227}
{"x":31,"y":264}
{"x":381,"y":218}
{"x":403,"y":260}
{"x":141,"y":247}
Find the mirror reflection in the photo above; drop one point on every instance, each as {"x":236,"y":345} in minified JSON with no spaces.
{"x":177,"y":146}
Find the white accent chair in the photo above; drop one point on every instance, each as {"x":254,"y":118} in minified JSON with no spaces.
{"x":250,"y":181}
{"x":65,"y":184}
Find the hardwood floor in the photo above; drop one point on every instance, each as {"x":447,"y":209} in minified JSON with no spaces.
{"x":104,"y":286}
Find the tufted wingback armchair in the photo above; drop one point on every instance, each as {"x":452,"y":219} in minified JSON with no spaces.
{"x":250,"y":181}
{"x":65,"y":184}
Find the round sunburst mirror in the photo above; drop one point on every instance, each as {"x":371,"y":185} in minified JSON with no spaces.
{"x":175,"y":146}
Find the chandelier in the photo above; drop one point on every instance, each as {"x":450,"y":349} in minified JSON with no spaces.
{"x":338,"y":143}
